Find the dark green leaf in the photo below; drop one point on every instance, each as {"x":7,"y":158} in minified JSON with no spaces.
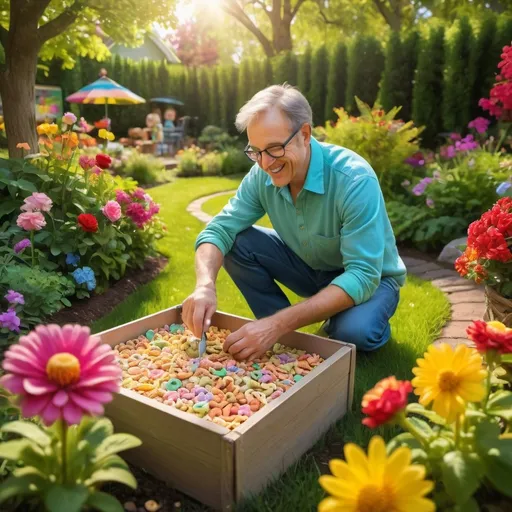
{"x":117,"y":443}
{"x":462,"y":474}
{"x":416,"y":408}
{"x":96,"y":431}
{"x":25,"y":185}
{"x":18,"y":487}
{"x":8,"y":206}
{"x":66,"y":499}
{"x":104,"y":502}
{"x":55,"y":250}
{"x":113,"y":475}
{"x":28,"y":430}
{"x":65,"y":302}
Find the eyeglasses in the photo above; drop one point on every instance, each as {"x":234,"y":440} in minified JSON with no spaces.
{"x":274,"y":152}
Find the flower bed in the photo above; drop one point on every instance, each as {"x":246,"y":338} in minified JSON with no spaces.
{"x":67,"y":221}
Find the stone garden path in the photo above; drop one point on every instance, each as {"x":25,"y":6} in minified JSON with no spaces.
{"x":466,"y":298}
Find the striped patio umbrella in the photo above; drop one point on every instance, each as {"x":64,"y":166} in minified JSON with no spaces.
{"x":105,"y":91}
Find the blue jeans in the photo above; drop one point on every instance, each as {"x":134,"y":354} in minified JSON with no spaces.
{"x":259,"y":258}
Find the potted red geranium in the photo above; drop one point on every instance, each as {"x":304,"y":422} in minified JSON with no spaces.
{"x":488,"y":259}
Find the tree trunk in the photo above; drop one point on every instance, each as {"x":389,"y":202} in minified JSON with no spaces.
{"x":18,"y":99}
{"x":282,"y":37}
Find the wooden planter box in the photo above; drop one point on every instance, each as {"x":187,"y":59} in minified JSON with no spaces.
{"x":217,"y":466}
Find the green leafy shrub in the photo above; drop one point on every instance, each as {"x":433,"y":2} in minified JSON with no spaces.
{"x":383,"y":141}
{"x":457,"y":186}
{"x":211,"y":163}
{"x":214,"y":138}
{"x":235,"y":162}
{"x":336,"y":81}
{"x":188,"y":162}
{"x":144,"y":169}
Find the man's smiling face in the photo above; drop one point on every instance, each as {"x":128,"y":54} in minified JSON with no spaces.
{"x":270,"y":129}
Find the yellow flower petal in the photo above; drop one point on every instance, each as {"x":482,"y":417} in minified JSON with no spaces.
{"x":341,"y":469}
{"x":377,"y":457}
{"x":357,"y":460}
{"x":334,"y":505}
{"x":398,"y":461}
{"x":417,"y":505}
{"x":337,"y":487}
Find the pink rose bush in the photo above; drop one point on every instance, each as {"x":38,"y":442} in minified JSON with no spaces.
{"x":31,"y":221}
{"x":112,"y":210}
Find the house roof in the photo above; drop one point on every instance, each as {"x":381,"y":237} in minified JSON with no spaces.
{"x":167,"y":51}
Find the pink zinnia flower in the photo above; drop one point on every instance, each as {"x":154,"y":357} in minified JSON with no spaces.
{"x":86,"y":162}
{"x":112,"y":210}
{"x":61,"y":373}
{"x":38,"y":201}
{"x":31,"y":221}
{"x":96,"y":170}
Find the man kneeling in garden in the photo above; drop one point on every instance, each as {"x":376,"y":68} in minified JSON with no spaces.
{"x":332,"y":240}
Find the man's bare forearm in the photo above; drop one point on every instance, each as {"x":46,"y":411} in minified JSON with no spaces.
{"x":319,"y":307}
{"x":209,"y":260}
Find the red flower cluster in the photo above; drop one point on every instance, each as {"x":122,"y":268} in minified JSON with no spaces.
{"x":487,"y":236}
{"x":500,"y":103}
{"x":103,"y":161}
{"x":490,"y":336}
{"x":381,"y":403}
{"x":88,"y":222}
{"x":487,"y":241}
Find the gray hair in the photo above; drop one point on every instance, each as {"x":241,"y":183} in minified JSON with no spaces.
{"x":289,"y":99}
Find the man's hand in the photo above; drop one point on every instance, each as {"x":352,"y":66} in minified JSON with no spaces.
{"x":254,"y":339}
{"x":198,"y":309}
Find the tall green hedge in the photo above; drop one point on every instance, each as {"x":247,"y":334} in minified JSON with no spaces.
{"x":304,"y":72}
{"x":428,"y":87}
{"x":365,"y":67}
{"x":285,"y":68}
{"x":336,"y":81}
{"x":458,"y":88}
{"x":318,"y":90}
{"x":398,"y":78}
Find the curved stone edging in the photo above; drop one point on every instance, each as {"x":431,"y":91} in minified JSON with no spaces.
{"x":466,"y":298}
{"x":195,"y":207}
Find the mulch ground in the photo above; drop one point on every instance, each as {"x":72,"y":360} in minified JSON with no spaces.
{"x":87,"y":311}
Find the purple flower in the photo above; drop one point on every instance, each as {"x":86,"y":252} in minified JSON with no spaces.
{"x":15,"y":297}
{"x":21,"y":245}
{"x":448,"y":152}
{"x":466,"y":144}
{"x":419,"y":189}
{"x":416,"y":160}
{"x":480,"y":124}
{"x":10,"y":320}
{"x":429,"y":202}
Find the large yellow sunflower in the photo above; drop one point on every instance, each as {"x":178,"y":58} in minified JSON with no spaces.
{"x":449,"y":378}
{"x":376,"y":483}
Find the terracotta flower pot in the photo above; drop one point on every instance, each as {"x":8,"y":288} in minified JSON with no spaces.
{"x":498,"y":308}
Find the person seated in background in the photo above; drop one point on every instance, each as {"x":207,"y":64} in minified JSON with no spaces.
{"x":170,"y":118}
{"x":154,"y":129}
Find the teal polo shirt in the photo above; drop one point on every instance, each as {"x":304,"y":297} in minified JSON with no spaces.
{"x":338,"y":222}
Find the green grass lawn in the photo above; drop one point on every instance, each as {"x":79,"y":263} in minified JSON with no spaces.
{"x":421,"y":314}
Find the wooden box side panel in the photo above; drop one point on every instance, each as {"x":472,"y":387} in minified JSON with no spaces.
{"x":289,"y":428}
{"x":188,"y":456}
